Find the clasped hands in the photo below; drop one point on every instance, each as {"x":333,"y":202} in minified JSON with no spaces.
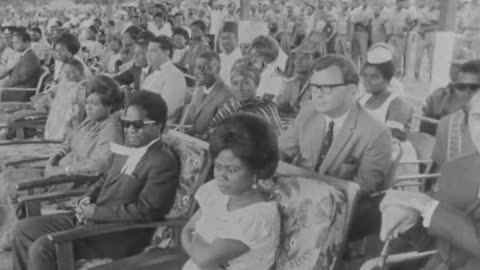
{"x":401,"y":210}
{"x":84,"y":210}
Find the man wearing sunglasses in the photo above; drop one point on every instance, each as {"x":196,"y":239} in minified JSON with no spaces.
{"x":335,"y":136}
{"x":445,"y":100}
{"x":140,"y":186}
{"x":452,"y":138}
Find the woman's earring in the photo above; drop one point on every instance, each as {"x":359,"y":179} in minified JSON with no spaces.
{"x":254,"y":186}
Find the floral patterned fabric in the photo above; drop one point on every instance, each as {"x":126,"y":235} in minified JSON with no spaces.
{"x":194,"y":162}
{"x":314,"y":216}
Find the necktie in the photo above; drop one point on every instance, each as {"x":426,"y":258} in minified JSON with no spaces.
{"x":327,"y":142}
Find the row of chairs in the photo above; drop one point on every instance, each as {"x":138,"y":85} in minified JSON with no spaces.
{"x":195,"y":166}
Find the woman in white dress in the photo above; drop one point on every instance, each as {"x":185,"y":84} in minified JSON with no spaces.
{"x":385,"y":105}
{"x":236,"y":226}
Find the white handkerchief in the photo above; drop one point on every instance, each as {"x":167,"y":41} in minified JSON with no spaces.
{"x":134,"y":155}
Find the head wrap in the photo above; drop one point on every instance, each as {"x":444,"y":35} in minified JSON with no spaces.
{"x":245,"y":68}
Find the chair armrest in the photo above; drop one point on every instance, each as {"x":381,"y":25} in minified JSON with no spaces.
{"x":54,"y":180}
{"x":21,"y":142}
{"x":52,"y":196}
{"x":18,"y":89}
{"x":397,"y":258}
{"x":101,"y":229}
{"x":425,"y":161}
{"x":154,"y":259}
{"x":416,"y":176}
{"x":28,"y":160}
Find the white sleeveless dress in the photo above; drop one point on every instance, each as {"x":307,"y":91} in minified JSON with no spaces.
{"x":409,"y":152}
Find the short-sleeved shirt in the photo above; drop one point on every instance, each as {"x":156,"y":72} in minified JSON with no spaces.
{"x":360,"y":17}
{"x":257,"y":226}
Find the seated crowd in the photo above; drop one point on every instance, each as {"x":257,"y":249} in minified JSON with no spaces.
{"x":110,"y":105}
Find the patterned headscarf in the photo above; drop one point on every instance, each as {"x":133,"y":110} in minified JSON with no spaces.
{"x":244,"y":67}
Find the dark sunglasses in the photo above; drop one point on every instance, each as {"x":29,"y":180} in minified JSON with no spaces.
{"x":467,"y":86}
{"x":137,"y":124}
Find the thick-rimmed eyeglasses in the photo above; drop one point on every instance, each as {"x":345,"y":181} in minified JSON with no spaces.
{"x":326,"y":89}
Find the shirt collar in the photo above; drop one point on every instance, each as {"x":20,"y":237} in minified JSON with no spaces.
{"x":165,"y":65}
{"x":29,"y":49}
{"x":338,"y":122}
{"x":134,"y":155}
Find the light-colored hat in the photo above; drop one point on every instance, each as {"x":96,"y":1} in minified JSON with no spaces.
{"x":380,"y":53}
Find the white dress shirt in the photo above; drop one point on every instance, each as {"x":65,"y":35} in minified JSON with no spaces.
{"x":166,"y":30}
{"x":337,"y":123}
{"x":270,"y":81}
{"x":227,"y":61}
{"x":169,"y":82}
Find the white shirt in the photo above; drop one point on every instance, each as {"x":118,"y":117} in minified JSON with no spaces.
{"x":178,"y":54}
{"x":170,"y":83}
{"x":337,"y":122}
{"x":270,"y":81}
{"x":166,"y":30}
{"x":227,"y":61}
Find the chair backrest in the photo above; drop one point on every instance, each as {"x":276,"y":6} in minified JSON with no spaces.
{"x":42,"y":79}
{"x":316,"y":217}
{"x":194,"y":168}
{"x":396,"y":156}
{"x":423,"y":144}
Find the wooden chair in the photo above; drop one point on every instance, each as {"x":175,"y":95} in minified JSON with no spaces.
{"x":17,"y":94}
{"x":309,"y":240}
{"x":195,"y":165}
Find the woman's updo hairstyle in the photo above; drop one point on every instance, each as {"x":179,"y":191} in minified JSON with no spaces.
{"x":251,"y":138}
{"x":108,"y":90}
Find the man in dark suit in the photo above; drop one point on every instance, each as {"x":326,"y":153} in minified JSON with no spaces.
{"x":335,"y":136}
{"x":209,"y":95}
{"x":140,"y":186}
{"x":451,"y":214}
{"x":139,"y":70}
{"x":27,"y":70}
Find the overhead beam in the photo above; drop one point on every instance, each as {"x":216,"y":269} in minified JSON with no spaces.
{"x":444,"y":44}
{"x":244,"y":9}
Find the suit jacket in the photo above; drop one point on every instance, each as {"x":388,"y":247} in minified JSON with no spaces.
{"x":444,"y":145}
{"x":361,"y":150}
{"x":129,"y":76}
{"x":26,"y":72}
{"x":146,"y":195}
{"x":458,"y":191}
{"x":202,"y":112}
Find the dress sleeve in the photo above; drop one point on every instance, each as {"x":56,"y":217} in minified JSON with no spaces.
{"x":205,"y":193}
{"x":257,"y":229}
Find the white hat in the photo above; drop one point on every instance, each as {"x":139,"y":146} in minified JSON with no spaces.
{"x":380,"y":53}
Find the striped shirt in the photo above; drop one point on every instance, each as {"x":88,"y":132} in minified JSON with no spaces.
{"x":260,"y":107}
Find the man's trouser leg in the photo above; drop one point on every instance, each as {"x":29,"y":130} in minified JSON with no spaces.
{"x":419,"y":50}
{"x":32,"y":250}
{"x":398,"y":43}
